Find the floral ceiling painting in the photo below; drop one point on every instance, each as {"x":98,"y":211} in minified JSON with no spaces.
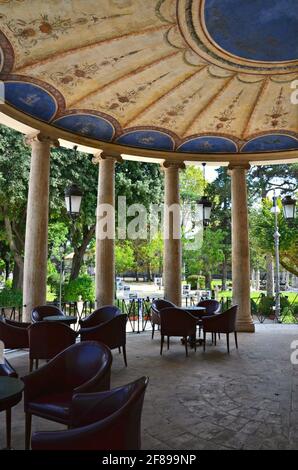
{"x":201,"y":76}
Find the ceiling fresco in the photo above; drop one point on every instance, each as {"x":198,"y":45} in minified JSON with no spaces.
{"x":198,"y":76}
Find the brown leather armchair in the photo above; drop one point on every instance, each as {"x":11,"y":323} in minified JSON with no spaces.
{"x":101,"y":315}
{"x":221,"y":323}
{"x":14,"y":337}
{"x":156,"y":307}
{"x":100,"y":421}
{"x":112,"y":333}
{"x":212,"y":307}
{"x":38,"y":313}
{"x":47,"y":339}
{"x":19,"y":324}
{"x":6,"y":370}
{"x":175,"y":321}
{"x":81,"y":368}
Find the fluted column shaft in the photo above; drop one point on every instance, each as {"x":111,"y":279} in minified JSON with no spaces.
{"x":172,"y":235}
{"x":36,"y":238}
{"x":240,"y":248}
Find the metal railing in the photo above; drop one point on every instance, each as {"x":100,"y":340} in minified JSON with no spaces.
{"x":138,"y":310}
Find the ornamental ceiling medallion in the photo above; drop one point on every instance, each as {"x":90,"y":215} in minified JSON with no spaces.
{"x":199,"y":76}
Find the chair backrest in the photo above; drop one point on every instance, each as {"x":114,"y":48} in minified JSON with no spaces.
{"x":109,"y":420}
{"x":175,"y":321}
{"x":7,"y":370}
{"x":112,"y":333}
{"x":231,"y":314}
{"x":13,"y":336}
{"x":159,"y":304}
{"x":41,"y":311}
{"x":83,"y":366}
{"x":212,"y":306}
{"x":101,"y":315}
{"x":224,"y":322}
{"x":47,"y":339}
{"x":18,"y":324}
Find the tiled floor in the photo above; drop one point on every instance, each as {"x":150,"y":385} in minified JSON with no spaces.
{"x":212,"y":400}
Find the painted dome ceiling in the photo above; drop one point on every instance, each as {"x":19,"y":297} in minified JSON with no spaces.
{"x":202,"y":76}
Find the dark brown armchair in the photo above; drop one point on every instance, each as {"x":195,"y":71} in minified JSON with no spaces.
{"x":38,"y":313}
{"x":212,"y":307}
{"x":47,"y":339}
{"x":81,"y":368}
{"x":13,"y":336}
{"x":177,"y":322}
{"x":156,"y":307}
{"x":221,"y":323}
{"x":100,"y":421}
{"x":112,"y":333}
{"x":101,"y":315}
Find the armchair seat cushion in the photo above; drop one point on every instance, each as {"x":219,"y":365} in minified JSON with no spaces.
{"x":54,"y":406}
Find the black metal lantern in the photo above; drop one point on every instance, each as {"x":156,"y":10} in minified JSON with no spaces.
{"x":205,"y":206}
{"x":289,"y":206}
{"x":73,"y":199}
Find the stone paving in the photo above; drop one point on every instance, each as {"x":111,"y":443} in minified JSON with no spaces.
{"x":212,"y":400}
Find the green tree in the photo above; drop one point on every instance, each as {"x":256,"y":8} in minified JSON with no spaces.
{"x":124,"y":257}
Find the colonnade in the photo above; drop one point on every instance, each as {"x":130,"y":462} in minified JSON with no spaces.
{"x":35,"y":262}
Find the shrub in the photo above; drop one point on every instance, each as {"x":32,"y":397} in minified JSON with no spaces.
{"x":11,"y":297}
{"x":265,"y":305}
{"x":83,"y":287}
{"x":193,"y":281}
{"x":196,"y":281}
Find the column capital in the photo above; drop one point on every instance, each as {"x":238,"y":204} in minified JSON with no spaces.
{"x":39,"y":137}
{"x":238,"y":166}
{"x":98,"y":157}
{"x":173,"y":164}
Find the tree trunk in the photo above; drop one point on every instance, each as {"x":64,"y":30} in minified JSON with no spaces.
{"x":224,"y":273}
{"x":15,"y":248}
{"x":208,"y":280}
{"x":258,"y":279}
{"x":7,"y":269}
{"x":17,"y":276}
{"x":270,"y":275}
{"x":80,"y":251}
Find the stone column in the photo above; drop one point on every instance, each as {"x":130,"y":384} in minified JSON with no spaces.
{"x":240,"y":247}
{"x":172,"y":236}
{"x":105,"y":230}
{"x":36,"y":238}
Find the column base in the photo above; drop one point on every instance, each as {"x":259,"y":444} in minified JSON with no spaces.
{"x":245,"y":326}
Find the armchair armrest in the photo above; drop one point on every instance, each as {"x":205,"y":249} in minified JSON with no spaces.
{"x":87,"y":408}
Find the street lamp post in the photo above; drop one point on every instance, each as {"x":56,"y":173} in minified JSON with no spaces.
{"x":61,"y":251}
{"x":275,"y":210}
{"x":204,"y":204}
{"x":289,"y":214}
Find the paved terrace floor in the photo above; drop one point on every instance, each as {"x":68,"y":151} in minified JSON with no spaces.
{"x":245,"y":400}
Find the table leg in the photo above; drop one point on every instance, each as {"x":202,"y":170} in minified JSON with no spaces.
{"x":8,"y":428}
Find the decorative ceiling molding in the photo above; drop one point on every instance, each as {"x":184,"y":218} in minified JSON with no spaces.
{"x":166,"y":75}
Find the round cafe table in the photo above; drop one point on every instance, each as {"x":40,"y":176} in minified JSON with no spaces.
{"x":10,"y":395}
{"x":197,"y":312}
{"x":67,"y":319}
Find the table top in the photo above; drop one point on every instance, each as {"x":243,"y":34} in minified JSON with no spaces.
{"x":9,"y":388}
{"x":195,"y":308}
{"x":61,"y":318}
